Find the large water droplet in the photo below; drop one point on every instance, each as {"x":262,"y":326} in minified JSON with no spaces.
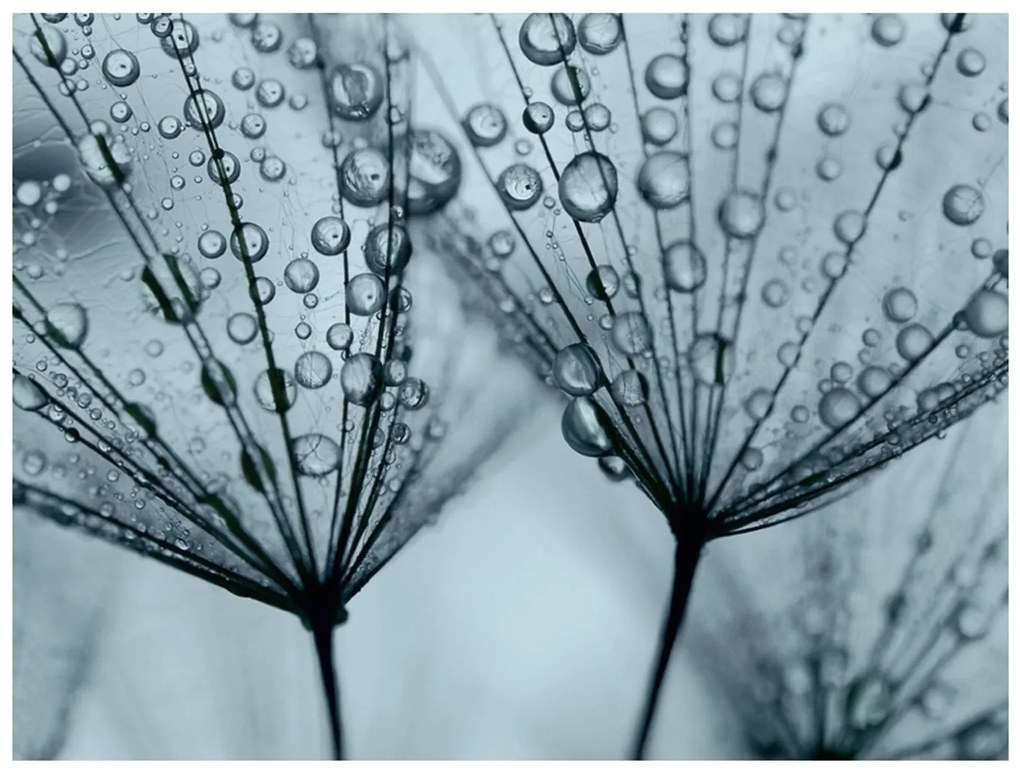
{"x":538,"y":117}
{"x":588,"y":187}
{"x":362,"y":379}
{"x":987,"y":313}
{"x":664,"y":179}
{"x":684,"y":266}
{"x":356,"y":91}
{"x":365,"y":294}
{"x":249,"y":242}
{"x":275,"y":390}
{"x":913,"y":341}
{"x":631,"y":334}
{"x":547,"y":38}
{"x":712,"y":358}
{"x":387,"y":249}
{"x":520,"y":186}
{"x":204,"y":110}
{"x":963,"y":204}
{"x":312,"y":369}
{"x":301,"y":275}
{"x":666,"y":76}
{"x":315,"y":455}
{"x":434,"y":172}
{"x":838,"y":407}
{"x":121,"y":68}
{"x":583,"y":426}
{"x":899,"y":305}
{"x":741,"y":214}
{"x":67,"y":325}
{"x":576,"y":370}
{"x":599,"y":33}
{"x":330,"y":236}
{"x":485,"y":125}
{"x":365,"y":177}
{"x":27,"y":394}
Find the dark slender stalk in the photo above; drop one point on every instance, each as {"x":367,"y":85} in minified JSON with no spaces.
{"x":688,"y":552}
{"x":322,"y":632}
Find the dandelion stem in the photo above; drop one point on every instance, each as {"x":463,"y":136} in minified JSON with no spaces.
{"x":322,"y":632}
{"x":688,"y":553}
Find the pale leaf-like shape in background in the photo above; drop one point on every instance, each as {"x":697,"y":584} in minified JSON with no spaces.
{"x":877,"y":629}
{"x":64,"y":586}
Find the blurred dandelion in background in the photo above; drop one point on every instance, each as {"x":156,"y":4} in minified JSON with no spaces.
{"x":884,"y":636}
{"x":225,"y":355}
{"x":761,"y":255}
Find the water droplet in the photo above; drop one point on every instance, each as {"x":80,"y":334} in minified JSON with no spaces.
{"x":599,"y":33}
{"x":631,"y":334}
{"x":365,"y":177}
{"x":121,"y":68}
{"x":629,"y":388}
{"x":759,"y":403}
{"x":833,"y":119}
{"x":970,"y":62}
{"x":987,"y":313}
{"x":249,"y":242}
{"x":362,"y":379}
{"x":887,"y":29}
{"x":913,"y":341}
{"x":666,"y":76}
{"x":838,"y":407}
{"x":576,"y":370}
{"x":339,"y":337}
{"x":873,"y":381}
{"x":485,"y":125}
{"x":242,"y":328}
{"x":49,"y":47}
{"x":849,"y":227}
{"x":538,"y":117}
{"x":365,"y":294}
{"x":28,"y":395}
{"x":313,"y":369}
{"x":315,"y":455}
{"x":684,"y":266}
{"x":664,"y":179}
{"x":868,"y":701}
{"x":658,"y":126}
{"x":387,"y":249}
{"x":741,"y":214}
{"x":356,"y":91}
{"x":899,"y":305}
{"x":67,"y":324}
{"x":434,"y":170}
{"x":588,"y":187}
{"x":275,"y":390}
{"x":570,"y":85}
{"x":414,"y":394}
{"x":301,"y":275}
{"x":547,"y":38}
{"x":583,"y":427}
{"x":963,"y":205}
{"x":727,"y":29}
{"x":330,"y":236}
{"x":520,"y":186}
{"x":768,"y":92}
{"x":97,"y":161}
{"x":775,"y":293}
{"x":182,"y":40}
{"x":204,"y":109}
{"x":712,"y":359}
